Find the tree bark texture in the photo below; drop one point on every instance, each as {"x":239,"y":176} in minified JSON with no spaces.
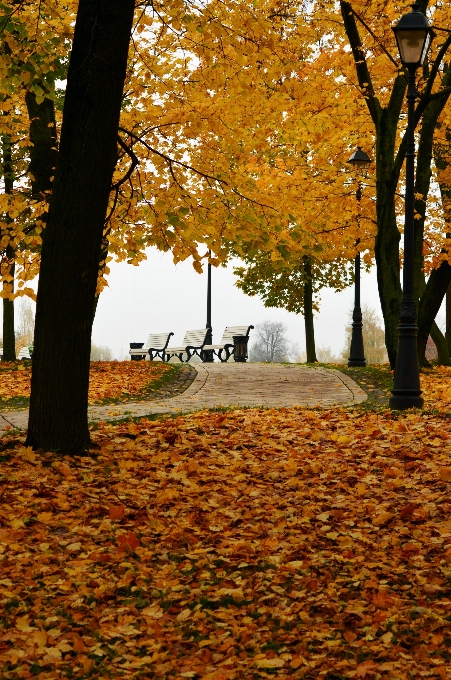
{"x":73,"y":236}
{"x":308,"y":312}
{"x":9,"y":336}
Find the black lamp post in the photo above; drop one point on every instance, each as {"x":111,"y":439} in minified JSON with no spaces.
{"x":207,"y":355}
{"x":414,"y":37}
{"x":360,"y":162}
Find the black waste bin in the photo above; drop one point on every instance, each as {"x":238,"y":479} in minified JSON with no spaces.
{"x":137,"y":345}
{"x":240,"y":347}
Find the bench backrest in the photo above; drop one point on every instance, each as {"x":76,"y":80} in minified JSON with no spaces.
{"x":230,"y":331}
{"x":24,"y":353}
{"x":195,"y":338}
{"x":157,"y":341}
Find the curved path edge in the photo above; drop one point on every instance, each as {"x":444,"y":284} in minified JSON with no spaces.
{"x":232,"y":385}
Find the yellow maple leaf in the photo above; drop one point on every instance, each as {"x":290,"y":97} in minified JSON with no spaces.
{"x":44,"y":517}
{"x":40,"y":638}
{"x":28,"y":454}
{"x":23,"y":624}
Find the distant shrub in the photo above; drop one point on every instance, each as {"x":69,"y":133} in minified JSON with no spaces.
{"x":100,"y":353}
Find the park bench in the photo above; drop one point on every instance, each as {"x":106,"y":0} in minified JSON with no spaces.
{"x":227,"y":343}
{"x":155,"y":347}
{"x":24,"y":353}
{"x":193,"y":343}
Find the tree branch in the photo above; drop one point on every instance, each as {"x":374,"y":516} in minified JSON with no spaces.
{"x":361,"y":66}
{"x":359,"y":18}
{"x":441,"y":93}
{"x":133,"y":165}
{"x":435,"y":67}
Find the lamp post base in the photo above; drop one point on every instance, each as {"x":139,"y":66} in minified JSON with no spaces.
{"x":357,"y":351}
{"x":406,"y":392}
{"x":356,"y":362}
{"x":401,"y":402}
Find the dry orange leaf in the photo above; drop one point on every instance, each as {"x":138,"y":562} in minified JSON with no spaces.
{"x":382,"y":518}
{"x":445,"y":474}
{"x":128,"y":541}
{"x":79,"y":645}
{"x":116,"y":512}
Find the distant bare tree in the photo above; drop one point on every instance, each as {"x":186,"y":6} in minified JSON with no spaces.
{"x":271,"y":344}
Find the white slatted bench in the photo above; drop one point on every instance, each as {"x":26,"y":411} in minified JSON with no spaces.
{"x":193,"y":343}
{"x":155,"y":347}
{"x":24,"y":354}
{"x":226,"y":345}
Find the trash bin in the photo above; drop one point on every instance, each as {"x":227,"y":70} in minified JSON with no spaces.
{"x":240,"y":347}
{"x":137,"y":345}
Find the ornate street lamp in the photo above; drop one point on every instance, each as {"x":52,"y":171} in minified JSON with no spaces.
{"x":414,"y":37}
{"x":360,"y":162}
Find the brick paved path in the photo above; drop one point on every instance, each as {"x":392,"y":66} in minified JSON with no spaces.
{"x":232,"y":384}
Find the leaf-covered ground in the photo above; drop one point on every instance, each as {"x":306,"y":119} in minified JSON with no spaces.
{"x":109,"y":381}
{"x":241,"y":544}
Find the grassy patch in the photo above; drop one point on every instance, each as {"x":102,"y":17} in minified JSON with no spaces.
{"x":376,"y":380}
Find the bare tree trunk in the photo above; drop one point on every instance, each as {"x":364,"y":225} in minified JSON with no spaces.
{"x":73,"y":236}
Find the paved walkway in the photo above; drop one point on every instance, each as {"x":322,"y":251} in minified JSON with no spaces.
{"x":231,"y":384}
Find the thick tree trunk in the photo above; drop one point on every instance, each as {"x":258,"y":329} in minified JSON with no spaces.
{"x":308,"y":312}
{"x":9,"y":336}
{"x":390,"y":292}
{"x":73,"y":236}
{"x":386,"y":247}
